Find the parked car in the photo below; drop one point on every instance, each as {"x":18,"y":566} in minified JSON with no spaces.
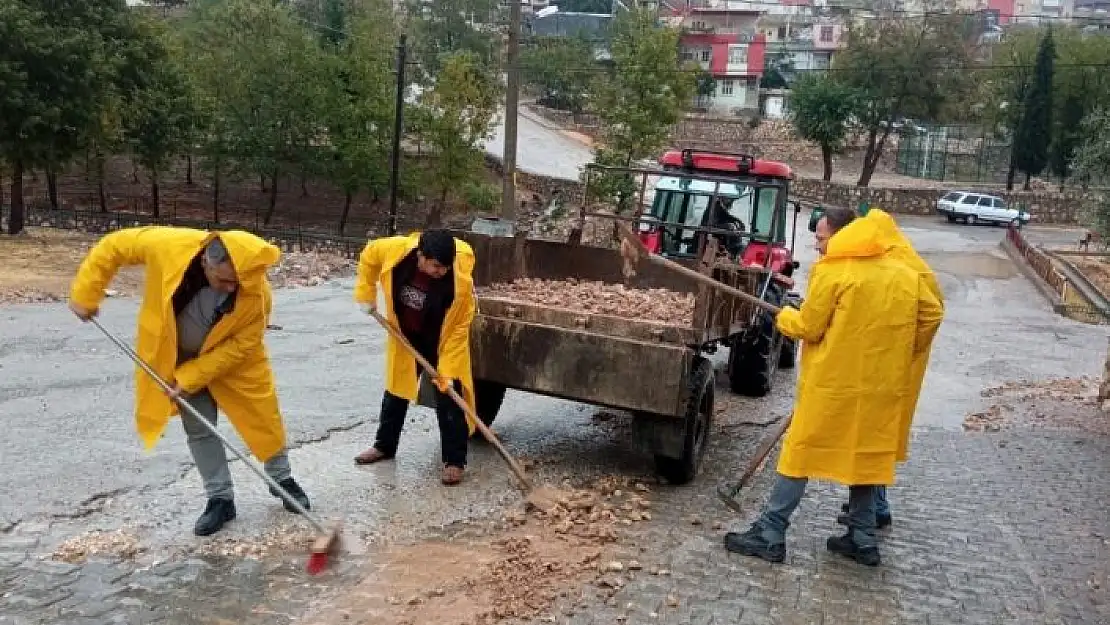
{"x":972,"y":208}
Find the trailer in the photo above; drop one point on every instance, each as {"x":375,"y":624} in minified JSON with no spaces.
{"x":657,"y":371}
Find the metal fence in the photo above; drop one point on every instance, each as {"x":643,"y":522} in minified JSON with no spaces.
{"x":95,"y":221}
{"x":956,"y":153}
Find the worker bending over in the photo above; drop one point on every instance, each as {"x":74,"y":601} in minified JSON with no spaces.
{"x":429,"y":296}
{"x":201,"y":325}
{"x":864,"y":320}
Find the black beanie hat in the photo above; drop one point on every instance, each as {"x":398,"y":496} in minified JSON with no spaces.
{"x":438,"y":245}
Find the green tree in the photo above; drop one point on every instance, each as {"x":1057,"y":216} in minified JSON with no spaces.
{"x":820,"y":109}
{"x":778,"y":68}
{"x":263,"y":82}
{"x":158,"y":122}
{"x":456,"y":115}
{"x":1065,"y":137}
{"x":360,"y":105}
{"x":642,"y":98}
{"x":56,"y":69}
{"x":1034,"y":132}
{"x":439,"y":29}
{"x":558,"y":66}
{"x":913,"y":67}
{"x":705,"y":85}
{"x":1092,"y":161}
{"x":1079,"y":86}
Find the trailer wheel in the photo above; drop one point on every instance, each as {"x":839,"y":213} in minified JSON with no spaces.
{"x":752,"y":360}
{"x":488,"y":397}
{"x":788,"y":353}
{"x":696,"y":423}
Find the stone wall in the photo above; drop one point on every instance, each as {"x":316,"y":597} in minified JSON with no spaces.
{"x":1104,"y":388}
{"x":1046,"y":207}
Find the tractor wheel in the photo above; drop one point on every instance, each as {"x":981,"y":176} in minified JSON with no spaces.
{"x":788,"y":353}
{"x":697,"y":423}
{"x":488,"y":397}
{"x":752,"y":361}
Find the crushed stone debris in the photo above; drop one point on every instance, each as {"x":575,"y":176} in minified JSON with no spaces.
{"x":517,"y":574}
{"x":585,"y":296}
{"x":301,"y":269}
{"x":283,"y":539}
{"x":1062,"y":403}
{"x":122,"y":543}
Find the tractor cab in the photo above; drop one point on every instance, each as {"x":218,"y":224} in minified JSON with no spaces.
{"x":738,"y":199}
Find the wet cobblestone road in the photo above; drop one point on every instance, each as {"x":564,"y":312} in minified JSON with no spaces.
{"x":988,"y":529}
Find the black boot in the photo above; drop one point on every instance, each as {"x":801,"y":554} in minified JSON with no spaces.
{"x":845,"y":546}
{"x":881,"y":520}
{"x":294,"y":489}
{"x":752,"y":543}
{"x":216,"y":513}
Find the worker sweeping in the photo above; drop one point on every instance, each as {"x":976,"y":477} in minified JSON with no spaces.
{"x":864,"y":320}
{"x":902,"y":251}
{"x":429,"y":297}
{"x":200,"y":328}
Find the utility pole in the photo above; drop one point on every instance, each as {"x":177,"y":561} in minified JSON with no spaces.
{"x":512,"y":105}
{"x":398,"y":129}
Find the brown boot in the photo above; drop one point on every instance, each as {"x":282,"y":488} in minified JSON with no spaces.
{"x":452,"y":475}
{"x":370,"y":456}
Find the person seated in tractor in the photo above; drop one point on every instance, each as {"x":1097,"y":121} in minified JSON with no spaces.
{"x":723,"y":219}
{"x":865,"y":319}
{"x":201,"y":327}
{"x":430,"y":298}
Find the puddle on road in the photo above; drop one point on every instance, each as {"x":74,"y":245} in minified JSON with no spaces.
{"x":972,"y":265}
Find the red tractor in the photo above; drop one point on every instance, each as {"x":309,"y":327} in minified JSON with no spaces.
{"x":742,"y":201}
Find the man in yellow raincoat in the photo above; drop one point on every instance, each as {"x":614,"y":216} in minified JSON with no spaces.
{"x":429,"y":296}
{"x":864,"y":320}
{"x":205,"y":306}
{"x":902,"y":251}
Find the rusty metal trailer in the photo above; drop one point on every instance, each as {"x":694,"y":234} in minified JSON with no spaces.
{"x":657,"y":371}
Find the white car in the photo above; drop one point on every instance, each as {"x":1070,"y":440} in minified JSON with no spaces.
{"x":972,"y":208}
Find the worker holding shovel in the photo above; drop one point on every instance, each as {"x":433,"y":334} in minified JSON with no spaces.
{"x":429,"y":299}
{"x":864,"y":320}
{"x":201,"y":326}
{"x":902,"y":251}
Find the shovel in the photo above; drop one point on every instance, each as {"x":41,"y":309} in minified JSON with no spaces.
{"x":543,"y":498}
{"x":328,"y":540}
{"x":634,"y":252}
{"x":728,"y":492}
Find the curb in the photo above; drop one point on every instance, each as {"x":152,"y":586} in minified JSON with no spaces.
{"x":1047,"y":291}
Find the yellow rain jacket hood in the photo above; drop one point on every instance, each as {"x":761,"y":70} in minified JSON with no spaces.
{"x":232,"y":364}
{"x":902,"y":251}
{"x":864,"y":318}
{"x":376,"y":264}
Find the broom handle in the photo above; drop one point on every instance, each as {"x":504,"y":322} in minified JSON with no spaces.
{"x":518,"y":471}
{"x":211,"y":428}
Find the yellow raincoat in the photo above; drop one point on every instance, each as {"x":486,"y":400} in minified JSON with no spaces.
{"x":233,"y":363}
{"x":864,"y":319}
{"x":902,"y":251}
{"x":376,"y":264}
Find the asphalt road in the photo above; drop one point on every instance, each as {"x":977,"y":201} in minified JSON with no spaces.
{"x":541,"y":148}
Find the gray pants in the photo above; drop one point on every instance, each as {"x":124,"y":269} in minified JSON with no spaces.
{"x":786,"y":494}
{"x":210,"y":455}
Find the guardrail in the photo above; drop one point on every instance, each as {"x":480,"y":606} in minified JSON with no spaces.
{"x":1078,"y":298}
